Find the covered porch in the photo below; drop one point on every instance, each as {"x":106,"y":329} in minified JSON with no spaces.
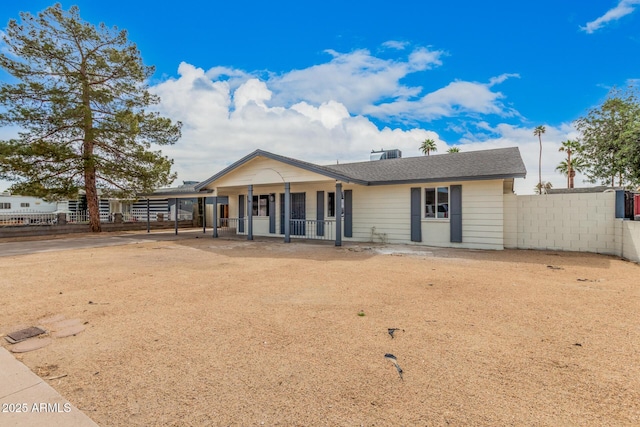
{"x":287,"y":210}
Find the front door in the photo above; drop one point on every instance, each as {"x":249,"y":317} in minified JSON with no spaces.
{"x":298,"y":212}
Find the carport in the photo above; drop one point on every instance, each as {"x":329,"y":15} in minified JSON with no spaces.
{"x":178,"y":194}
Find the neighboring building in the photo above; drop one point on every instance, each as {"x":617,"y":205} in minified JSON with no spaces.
{"x":77,"y":208}
{"x":448,"y":200}
{"x":165,"y":200}
{"x":11,"y":203}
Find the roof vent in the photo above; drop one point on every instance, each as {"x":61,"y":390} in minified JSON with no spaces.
{"x":385,"y":154}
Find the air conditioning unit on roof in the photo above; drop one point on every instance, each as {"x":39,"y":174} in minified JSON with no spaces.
{"x":385,"y":154}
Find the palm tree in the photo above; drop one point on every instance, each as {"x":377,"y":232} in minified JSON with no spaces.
{"x":538,"y":131}
{"x":453,"y":150}
{"x":427,"y":146}
{"x":570,"y":166}
{"x":543,"y":187}
{"x":577,"y":165}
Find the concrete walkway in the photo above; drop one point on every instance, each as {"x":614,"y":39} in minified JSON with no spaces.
{"x":26,"y":400}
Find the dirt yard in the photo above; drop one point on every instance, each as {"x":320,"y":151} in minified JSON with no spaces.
{"x":221,"y":332}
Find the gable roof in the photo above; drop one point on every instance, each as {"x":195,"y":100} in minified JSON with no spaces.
{"x":498,"y":163}
{"x":322,"y":170}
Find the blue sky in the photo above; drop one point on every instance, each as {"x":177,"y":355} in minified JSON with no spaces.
{"x":333,"y":80}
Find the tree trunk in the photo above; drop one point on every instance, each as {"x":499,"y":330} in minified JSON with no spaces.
{"x":540,"y":165}
{"x":92,"y":199}
{"x":89,"y":165}
{"x":572,"y":174}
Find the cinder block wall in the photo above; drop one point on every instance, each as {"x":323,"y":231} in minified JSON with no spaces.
{"x":570,"y":222}
{"x":566,"y":222}
{"x":630,"y":233}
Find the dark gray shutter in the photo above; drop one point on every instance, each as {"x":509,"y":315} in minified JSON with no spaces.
{"x":241,"y":213}
{"x":348,"y":213}
{"x":272,"y":213}
{"x":455,"y":213}
{"x":416,"y":218}
{"x":320,"y":213}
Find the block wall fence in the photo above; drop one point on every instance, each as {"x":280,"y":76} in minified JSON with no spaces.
{"x":584,"y":222}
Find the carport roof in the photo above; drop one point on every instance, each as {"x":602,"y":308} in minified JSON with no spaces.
{"x":184,"y":191}
{"x":498,"y":163}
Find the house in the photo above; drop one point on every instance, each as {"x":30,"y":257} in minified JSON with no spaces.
{"x":12,"y":203}
{"x":448,"y":200}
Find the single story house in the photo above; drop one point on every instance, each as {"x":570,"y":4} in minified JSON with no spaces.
{"x":447,"y":200}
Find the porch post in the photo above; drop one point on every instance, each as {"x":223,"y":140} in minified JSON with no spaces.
{"x":287,"y":212}
{"x":204,"y":215}
{"x":176,"y":221}
{"x":148,"y":218}
{"x":338,"y":210}
{"x":250,"y":213}
{"x":215,"y":217}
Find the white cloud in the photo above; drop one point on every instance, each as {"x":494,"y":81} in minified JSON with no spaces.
{"x":395,"y":44}
{"x":330,"y":114}
{"x":252,"y":91}
{"x":624,"y":8}
{"x":355,"y":79}
{"x":457,"y":98}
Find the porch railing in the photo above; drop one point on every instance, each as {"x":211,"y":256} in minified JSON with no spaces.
{"x":311,"y":229}
{"x":232,"y":226}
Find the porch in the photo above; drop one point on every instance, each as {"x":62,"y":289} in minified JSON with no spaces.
{"x":308,"y":211}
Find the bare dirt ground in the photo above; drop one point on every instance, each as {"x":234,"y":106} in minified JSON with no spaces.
{"x":224,"y":332}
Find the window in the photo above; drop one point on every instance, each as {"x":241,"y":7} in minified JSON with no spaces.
{"x":436,"y":202}
{"x":24,"y":205}
{"x":5,"y":205}
{"x":331,"y":205}
{"x":261,"y":205}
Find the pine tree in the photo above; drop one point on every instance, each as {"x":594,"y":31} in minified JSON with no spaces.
{"x":81,"y":103}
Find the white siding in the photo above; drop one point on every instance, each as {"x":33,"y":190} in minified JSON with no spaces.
{"x":482,"y":215}
{"x":26,"y":204}
{"x":387,"y":208}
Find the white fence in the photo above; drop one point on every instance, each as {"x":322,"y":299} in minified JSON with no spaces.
{"x":81,"y":217}
{"x":27,"y":218}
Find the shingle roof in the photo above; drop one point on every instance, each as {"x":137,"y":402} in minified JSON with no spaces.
{"x":473,"y":165}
